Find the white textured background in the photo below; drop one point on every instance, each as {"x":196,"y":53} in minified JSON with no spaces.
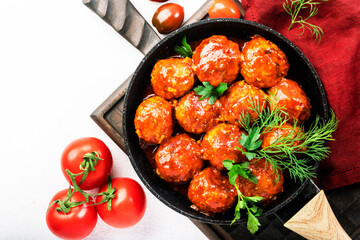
{"x":58,"y":62}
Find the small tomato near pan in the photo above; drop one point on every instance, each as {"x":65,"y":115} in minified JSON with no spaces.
{"x":68,"y":221}
{"x":90,"y":156}
{"x":168,"y":17}
{"x":224,"y":9}
{"x":122,"y":204}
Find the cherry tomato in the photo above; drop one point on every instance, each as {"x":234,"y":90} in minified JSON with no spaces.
{"x":224,"y":9}
{"x":73,"y":156}
{"x":127,"y":207}
{"x":78,"y":223}
{"x":168,"y":17}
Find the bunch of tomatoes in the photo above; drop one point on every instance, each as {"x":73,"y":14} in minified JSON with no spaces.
{"x":72,"y":213}
{"x":170,"y":16}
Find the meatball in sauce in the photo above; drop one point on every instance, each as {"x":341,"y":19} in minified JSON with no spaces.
{"x":220,"y":144}
{"x":237,"y":99}
{"x":282,"y":132}
{"x":153,"y":120}
{"x":178,"y":159}
{"x":291,"y":96}
{"x":173,"y":77}
{"x":211,"y":192}
{"x":195,"y":115}
{"x":269,"y":183}
{"x":263,"y":64}
{"x":217,"y":60}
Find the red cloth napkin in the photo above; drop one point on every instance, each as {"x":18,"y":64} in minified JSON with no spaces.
{"x":337,"y":60}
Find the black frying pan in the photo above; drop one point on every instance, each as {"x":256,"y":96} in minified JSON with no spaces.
{"x":124,"y":18}
{"x":301,"y":71}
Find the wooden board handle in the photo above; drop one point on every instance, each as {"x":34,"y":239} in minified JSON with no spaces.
{"x":316,"y":220}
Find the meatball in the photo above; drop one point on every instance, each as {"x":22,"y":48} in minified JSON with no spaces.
{"x":263,"y":64}
{"x":211,"y":192}
{"x":178,"y":159}
{"x":153,"y":120}
{"x":269,"y":183}
{"x":217,"y":60}
{"x":220,"y":144}
{"x":291,"y":96}
{"x":238,"y":99}
{"x":195,"y":115}
{"x":173,"y":77}
{"x":280,"y":132}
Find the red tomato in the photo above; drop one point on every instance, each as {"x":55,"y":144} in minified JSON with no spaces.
{"x":224,"y":9}
{"x":159,"y":0}
{"x":168,"y":17}
{"x":78,"y":223}
{"x":73,"y":156}
{"x":127,"y":207}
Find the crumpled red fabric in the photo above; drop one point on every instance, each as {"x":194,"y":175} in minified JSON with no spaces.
{"x":337,"y":61}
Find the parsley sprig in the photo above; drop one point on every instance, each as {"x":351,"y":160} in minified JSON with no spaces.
{"x":246,"y":203}
{"x":293,"y":8}
{"x":240,"y":169}
{"x":250,"y":142}
{"x":284,"y":153}
{"x":208,"y":91}
{"x":185,"y":49}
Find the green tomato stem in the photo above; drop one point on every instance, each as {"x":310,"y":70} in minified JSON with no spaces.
{"x":108,"y":195}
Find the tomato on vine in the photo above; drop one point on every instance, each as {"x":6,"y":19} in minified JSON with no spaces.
{"x":89,"y":159}
{"x":224,"y":9}
{"x":70,"y":215}
{"x":121,"y":202}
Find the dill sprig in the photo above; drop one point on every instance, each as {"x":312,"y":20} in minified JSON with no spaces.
{"x":267,"y":119}
{"x":293,"y":8}
{"x":295,"y":151}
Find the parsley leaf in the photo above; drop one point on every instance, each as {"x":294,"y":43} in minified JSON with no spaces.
{"x":208,"y":91}
{"x":184,"y":50}
{"x":237,"y":214}
{"x":252,"y":223}
{"x":228,"y":164}
{"x":238,"y":170}
{"x":247,"y":203}
{"x":254,"y":199}
{"x":251,"y":141}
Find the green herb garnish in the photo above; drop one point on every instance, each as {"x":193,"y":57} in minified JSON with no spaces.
{"x":240,"y":169}
{"x":244,"y":202}
{"x":284,"y":153}
{"x":208,"y":91}
{"x":293,"y":8}
{"x":250,"y":142}
{"x":185,"y":49}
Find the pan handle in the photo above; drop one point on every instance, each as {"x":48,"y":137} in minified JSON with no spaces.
{"x":315,"y":220}
{"x":127,"y":21}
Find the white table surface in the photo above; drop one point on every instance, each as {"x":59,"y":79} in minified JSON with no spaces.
{"x":58,"y":62}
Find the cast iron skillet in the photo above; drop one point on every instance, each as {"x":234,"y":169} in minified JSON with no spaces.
{"x":301,"y":71}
